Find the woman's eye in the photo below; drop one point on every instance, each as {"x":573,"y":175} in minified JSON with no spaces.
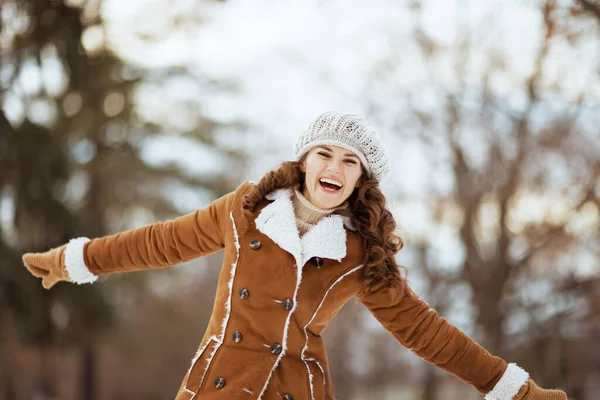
{"x":351,"y":161}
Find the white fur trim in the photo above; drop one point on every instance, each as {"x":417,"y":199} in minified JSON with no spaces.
{"x":211,"y":339}
{"x":302,"y":356}
{"x":327,"y":239}
{"x":75,"y":264}
{"x":209,"y":360}
{"x":219,"y":340}
{"x":221,"y":337}
{"x":278,"y":221}
{"x":310,"y":375}
{"x":310,"y":380}
{"x":322,"y":372}
{"x":508,"y":386}
{"x":231,"y":277}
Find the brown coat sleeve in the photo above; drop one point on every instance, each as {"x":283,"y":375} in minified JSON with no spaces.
{"x":162,"y":244}
{"x":419,"y":328}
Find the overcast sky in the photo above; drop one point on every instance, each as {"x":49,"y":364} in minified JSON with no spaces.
{"x":293,"y":60}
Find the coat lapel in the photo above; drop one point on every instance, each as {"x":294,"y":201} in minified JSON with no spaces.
{"x":277,"y":220}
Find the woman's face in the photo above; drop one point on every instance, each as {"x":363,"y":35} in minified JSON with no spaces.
{"x":335,"y":164}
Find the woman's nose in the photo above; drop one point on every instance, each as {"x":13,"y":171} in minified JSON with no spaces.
{"x":334,"y":165}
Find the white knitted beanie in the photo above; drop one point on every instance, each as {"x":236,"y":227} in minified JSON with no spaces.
{"x":350,"y":132}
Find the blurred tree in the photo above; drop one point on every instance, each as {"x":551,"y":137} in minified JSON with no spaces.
{"x":519,"y":143}
{"x":504,"y":156}
{"x":71,"y":155}
{"x":591,"y":6}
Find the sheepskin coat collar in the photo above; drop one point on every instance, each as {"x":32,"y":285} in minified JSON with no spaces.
{"x":327,"y":239}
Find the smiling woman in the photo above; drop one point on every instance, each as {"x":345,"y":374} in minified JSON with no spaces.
{"x":331,"y":175}
{"x":298,"y":245}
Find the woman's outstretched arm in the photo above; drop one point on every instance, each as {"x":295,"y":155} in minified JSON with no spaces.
{"x":156,"y":245}
{"x":419,"y":328}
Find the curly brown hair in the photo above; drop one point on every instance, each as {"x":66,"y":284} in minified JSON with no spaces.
{"x":369,"y":214}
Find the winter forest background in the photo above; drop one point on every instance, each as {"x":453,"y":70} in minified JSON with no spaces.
{"x":115,"y":114}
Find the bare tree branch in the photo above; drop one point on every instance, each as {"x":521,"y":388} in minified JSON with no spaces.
{"x":590,"y":6}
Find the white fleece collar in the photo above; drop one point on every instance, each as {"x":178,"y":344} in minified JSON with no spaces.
{"x":327,"y":239}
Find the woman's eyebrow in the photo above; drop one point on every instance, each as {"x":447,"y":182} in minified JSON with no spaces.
{"x":346,"y":155}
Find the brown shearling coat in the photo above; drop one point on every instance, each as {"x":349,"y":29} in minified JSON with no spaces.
{"x":276,"y":294}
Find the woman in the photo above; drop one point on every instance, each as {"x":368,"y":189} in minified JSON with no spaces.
{"x":297,"y":246}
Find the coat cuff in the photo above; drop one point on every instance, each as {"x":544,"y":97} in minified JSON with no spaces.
{"x":508,"y":386}
{"x":74,"y":263}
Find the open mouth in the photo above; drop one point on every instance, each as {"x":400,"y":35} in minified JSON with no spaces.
{"x":329,"y":187}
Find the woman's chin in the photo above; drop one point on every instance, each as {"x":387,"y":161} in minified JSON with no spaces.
{"x":325,"y":199}
{"x":328,"y":200}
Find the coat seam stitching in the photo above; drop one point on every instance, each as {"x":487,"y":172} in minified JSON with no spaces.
{"x":221,"y":340}
{"x":331,"y":284}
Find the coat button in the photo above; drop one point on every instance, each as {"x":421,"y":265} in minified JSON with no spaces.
{"x":219,"y":382}
{"x":287,"y":304}
{"x":318,"y":261}
{"x":288,"y":397}
{"x":244,"y":293}
{"x":237,"y":336}
{"x":276,"y":348}
{"x":255,"y":244}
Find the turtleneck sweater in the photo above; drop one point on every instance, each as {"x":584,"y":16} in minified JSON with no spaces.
{"x":307,"y":214}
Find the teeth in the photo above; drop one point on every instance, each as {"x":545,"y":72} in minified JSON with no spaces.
{"x":331,"y":181}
